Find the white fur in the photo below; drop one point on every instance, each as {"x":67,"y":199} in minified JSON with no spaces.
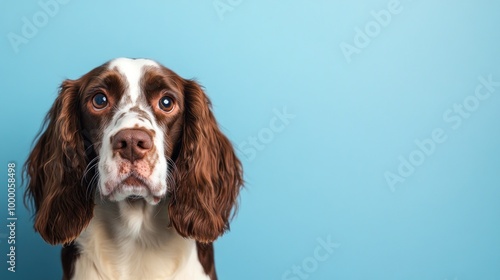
{"x":132,"y":241}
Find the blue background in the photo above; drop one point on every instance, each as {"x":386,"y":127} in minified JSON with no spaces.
{"x":322,"y":174}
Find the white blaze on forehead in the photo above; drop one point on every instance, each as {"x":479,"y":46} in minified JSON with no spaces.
{"x":132,"y":70}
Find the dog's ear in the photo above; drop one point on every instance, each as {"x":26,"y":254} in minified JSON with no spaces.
{"x":54,"y":170}
{"x":208,"y":176}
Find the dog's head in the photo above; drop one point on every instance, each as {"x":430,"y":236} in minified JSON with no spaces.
{"x":132,"y":129}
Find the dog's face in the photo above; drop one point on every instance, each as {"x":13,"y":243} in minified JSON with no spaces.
{"x":133,"y":112}
{"x":132,"y":129}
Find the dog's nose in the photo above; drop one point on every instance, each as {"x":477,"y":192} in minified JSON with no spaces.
{"x":132,"y":144}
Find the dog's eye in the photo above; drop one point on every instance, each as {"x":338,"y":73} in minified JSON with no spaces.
{"x":100,"y":101}
{"x":166,"y":103}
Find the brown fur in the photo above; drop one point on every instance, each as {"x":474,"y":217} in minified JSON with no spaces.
{"x":209,"y":174}
{"x":55,"y":168}
{"x":206,"y":257}
{"x":69,"y":254}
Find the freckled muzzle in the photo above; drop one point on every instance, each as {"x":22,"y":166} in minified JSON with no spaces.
{"x":132,"y":167}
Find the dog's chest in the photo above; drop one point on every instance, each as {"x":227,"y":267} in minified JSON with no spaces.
{"x":106,"y":252}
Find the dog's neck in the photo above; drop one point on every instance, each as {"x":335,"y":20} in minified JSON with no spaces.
{"x":134,"y":220}
{"x":132,"y":239}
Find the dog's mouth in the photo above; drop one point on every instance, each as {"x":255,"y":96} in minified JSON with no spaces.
{"x":133,"y":188}
{"x":133,"y":181}
{"x":134,"y":185}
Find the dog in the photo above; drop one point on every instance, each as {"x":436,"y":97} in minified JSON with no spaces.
{"x":132,"y":174}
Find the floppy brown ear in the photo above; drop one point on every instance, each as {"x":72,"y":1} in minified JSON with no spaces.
{"x":208,"y":176}
{"x":54,"y":171}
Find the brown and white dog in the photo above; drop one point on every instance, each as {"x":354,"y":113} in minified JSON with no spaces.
{"x":133,"y":175}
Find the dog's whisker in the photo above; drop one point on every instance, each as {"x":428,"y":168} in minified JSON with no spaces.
{"x":91,"y":186}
